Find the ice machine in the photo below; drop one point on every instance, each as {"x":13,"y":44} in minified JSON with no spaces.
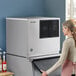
{"x":33,"y":37}
{"x":29,"y":39}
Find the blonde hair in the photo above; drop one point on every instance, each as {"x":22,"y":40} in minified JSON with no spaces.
{"x":71,"y":24}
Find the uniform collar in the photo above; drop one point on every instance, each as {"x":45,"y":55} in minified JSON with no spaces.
{"x":69,"y":37}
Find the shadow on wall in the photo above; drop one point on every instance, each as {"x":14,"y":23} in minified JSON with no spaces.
{"x":3,"y":33}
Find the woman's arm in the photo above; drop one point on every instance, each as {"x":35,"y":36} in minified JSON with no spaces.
{"x":63,"y":57}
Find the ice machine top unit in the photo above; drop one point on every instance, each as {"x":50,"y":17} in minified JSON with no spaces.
{"x":33,"y":37}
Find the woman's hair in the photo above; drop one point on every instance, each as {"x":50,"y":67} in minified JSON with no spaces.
{"x":71,"y":24}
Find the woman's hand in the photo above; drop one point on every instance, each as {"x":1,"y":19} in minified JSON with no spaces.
{"x":43,"y":73}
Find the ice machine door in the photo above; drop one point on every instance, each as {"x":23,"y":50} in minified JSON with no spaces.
{"x":20,"y":66}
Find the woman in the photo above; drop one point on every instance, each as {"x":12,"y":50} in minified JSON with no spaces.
{"x":68,"y":57}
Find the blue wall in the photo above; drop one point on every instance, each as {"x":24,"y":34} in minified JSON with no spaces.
{"x":23,"y":8}
{"x":17,"y":8}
